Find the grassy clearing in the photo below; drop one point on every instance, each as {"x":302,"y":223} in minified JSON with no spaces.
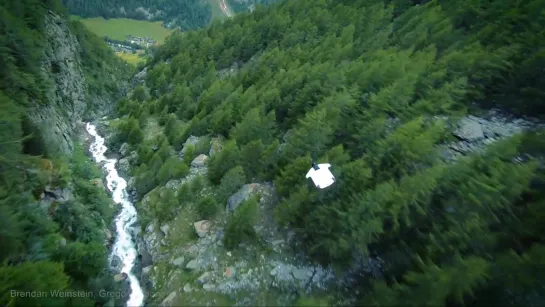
{"x":130,"y":58}
{"x":120,"y":28}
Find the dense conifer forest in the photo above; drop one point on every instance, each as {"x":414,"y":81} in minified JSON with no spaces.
{"x":367,"y":86}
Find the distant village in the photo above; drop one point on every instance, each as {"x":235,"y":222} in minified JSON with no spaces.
{"x":132,"y":44}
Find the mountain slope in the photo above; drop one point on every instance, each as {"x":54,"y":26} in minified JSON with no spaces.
{"x":375,"y":88}
{"x":55,"y":214}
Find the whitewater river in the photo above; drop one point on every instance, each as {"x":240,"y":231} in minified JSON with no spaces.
{"x":124,"y":246}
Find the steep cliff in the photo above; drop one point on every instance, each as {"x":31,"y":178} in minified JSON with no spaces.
{"x":69,"y":97}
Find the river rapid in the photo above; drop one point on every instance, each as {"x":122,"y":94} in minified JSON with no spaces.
{"x":124,"y":246}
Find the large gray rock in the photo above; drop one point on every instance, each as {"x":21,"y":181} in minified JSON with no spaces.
{"x":124,"y":150}
{"x":123,"y":166}
{"x":469,"y":129}
{"x":178,"y":261}
{"x":165,"y":228}
{"x":199,"y":161}
{"x":191,"y":265}
{"x":243,"y":194}
{"x":202,"y":227}
{"x":58,"y":194}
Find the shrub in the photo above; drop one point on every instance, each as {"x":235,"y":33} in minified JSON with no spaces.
{"x":207,"y":207}
{"x":240,"y":224}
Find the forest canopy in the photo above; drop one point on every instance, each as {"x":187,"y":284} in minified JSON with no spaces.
{"x":366,"y":86}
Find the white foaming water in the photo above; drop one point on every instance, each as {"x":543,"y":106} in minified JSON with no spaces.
{"x":124,"y":246}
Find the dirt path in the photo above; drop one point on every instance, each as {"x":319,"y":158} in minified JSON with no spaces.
{"x":225,"y":8}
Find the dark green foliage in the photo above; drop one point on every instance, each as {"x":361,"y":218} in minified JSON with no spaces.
{"x":233,"y":180}
{"x":220,"y":163}
{"x":364,"y":85}
{"x":162,"y":204}
{"x":188,"y":14}
{"x":240,"y":224}
{"x":173,"y":168}
{"x":139,"y":94}
{"x":207,"y":207}
{"x":33,"y":277}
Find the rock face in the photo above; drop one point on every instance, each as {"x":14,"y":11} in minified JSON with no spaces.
{"x":123,"y":166}
{"x":67,"y":97}
{"x":140,"y":77}
{"x":56,"y":120}
{"x":152,"y":240}
{"x":469,"y":129}
{"x":124,"y":150}
{"x":475,"y":133}
{"x":247,"y":191}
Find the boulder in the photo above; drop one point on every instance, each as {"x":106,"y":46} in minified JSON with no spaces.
{"x":178,"y":261}
{"x":124,"y":150}
{"x":199,"y":161}
{"x":203,"y":278}
{"x":202,"y":227}
{"x":169,"y":300}
{"x":229,"y":272}
{"x":165,"y":228}
{"x":469,"y":129}
{"x":120,"y":277}
{"x":147,"y":270}
{"x":191,"y":265}
{"x":247,"y":191}
{"x":208,"y":287}
{"x":124,"y":166}
{"x":188,"y":288}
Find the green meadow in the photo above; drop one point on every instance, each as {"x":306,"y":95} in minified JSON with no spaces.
{"x":120,"y":28}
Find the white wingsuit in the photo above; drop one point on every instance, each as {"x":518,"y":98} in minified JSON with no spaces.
{"x":321,"y":176}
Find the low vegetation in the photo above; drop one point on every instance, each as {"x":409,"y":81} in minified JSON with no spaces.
{"x":120,"y":28}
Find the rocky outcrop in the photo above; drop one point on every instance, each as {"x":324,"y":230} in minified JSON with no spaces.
{"x":246,"y":192}
{"x":475,"y":133}
{"x":67,"y":99}
{"x":61,"y":67}
{"x":191,"y":140}
{"x":140,"y":78}
{"x":199,"y":161}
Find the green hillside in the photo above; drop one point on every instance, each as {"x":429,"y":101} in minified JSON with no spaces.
{"x":365,"y":85}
